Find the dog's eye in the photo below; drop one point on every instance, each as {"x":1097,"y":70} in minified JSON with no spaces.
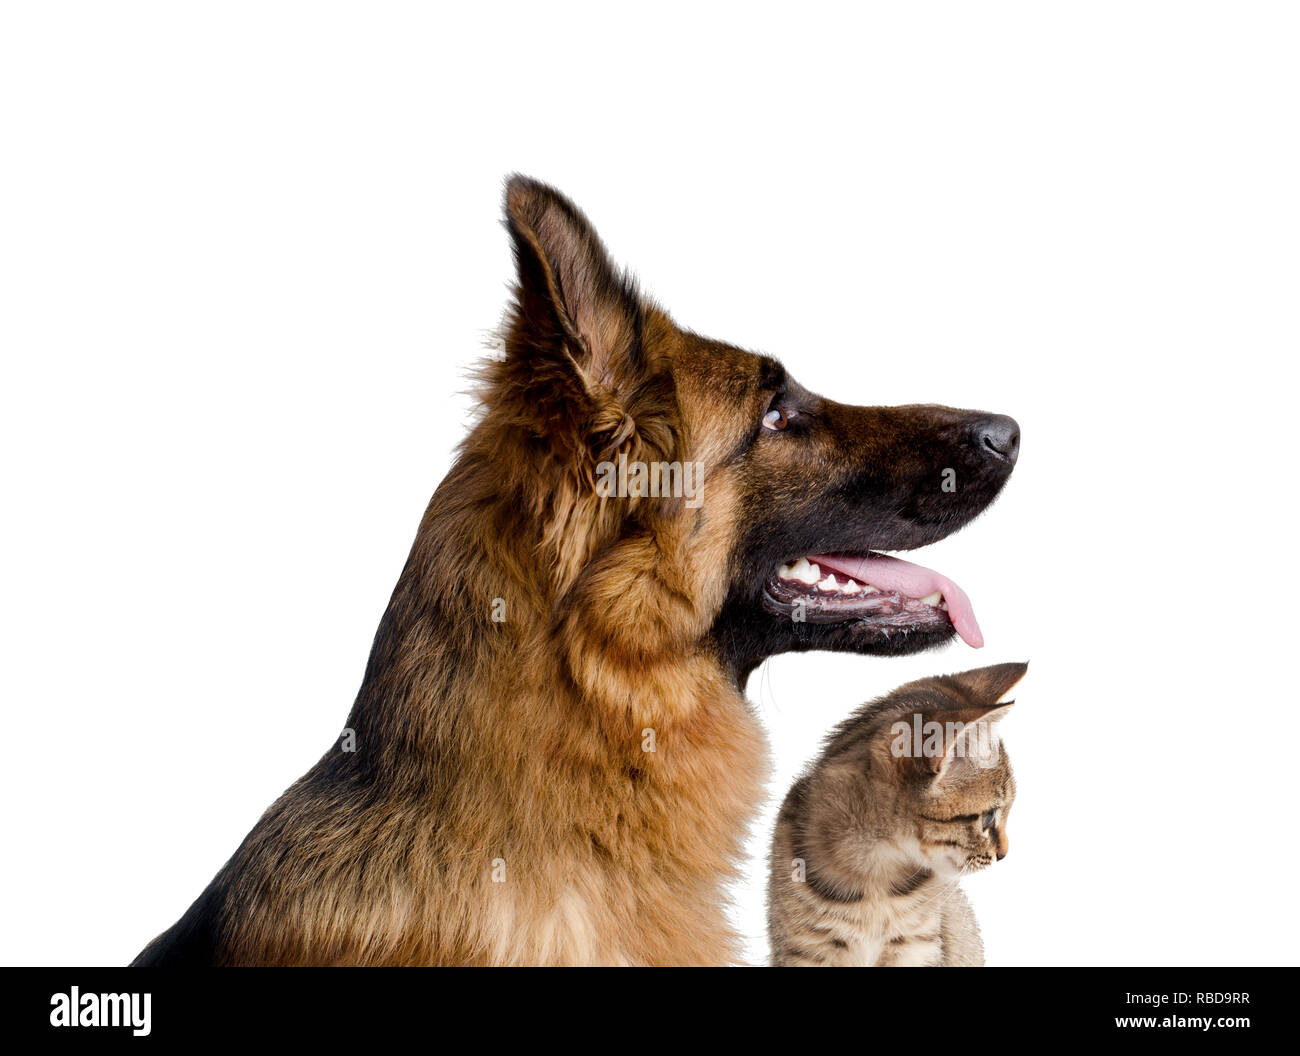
{"x":775,"y":419}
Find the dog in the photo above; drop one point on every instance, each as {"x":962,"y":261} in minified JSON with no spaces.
{"x":551,"y":759}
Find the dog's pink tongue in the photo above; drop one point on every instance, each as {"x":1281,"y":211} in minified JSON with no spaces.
{"x":891,"y":574}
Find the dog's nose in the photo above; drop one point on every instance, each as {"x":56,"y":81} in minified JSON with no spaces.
{"x":999,"y":436}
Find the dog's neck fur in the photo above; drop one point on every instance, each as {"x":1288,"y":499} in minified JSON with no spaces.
{"x":613,"y":778}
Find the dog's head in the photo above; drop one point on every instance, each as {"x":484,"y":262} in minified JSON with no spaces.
{"x":684,"y":492}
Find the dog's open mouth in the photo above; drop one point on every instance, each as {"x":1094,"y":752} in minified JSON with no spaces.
{"x":883,"y":591}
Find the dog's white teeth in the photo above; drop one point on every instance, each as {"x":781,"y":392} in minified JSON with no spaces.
{"x":851,"y":588}
{"x":867,"y":588}
{"x":801,"y":571}
{"x":932,"y":599}
{"x":828,"y":583}
{"x":805,"y":572}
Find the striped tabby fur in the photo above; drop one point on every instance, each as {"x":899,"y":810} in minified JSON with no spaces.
{"x":910,"y":793}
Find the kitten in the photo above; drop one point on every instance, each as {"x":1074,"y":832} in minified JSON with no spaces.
{"x":910,"y":792}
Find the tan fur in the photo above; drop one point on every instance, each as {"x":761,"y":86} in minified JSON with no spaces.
{"x":522,"y":742}
{"x":554,"y":762}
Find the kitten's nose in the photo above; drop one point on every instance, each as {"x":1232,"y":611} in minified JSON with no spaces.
{"x":1000,"y":842}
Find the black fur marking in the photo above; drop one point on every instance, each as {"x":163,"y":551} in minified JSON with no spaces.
{"x":192,"y":941}
{"x":908,"y":884}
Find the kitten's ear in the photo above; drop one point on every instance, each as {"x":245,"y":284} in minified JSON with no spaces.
{"x":573,"y":307}
{"x":988,"y":685}
{"x":968,"y":736}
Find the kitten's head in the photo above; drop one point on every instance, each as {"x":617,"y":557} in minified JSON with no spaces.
{"x":926,"y":774}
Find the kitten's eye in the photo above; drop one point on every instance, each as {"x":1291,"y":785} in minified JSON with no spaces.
{"x":776,"y":419}
{"x":986,"y":822}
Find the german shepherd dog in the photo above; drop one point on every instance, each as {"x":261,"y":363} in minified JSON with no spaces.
{"x":551,"y":759}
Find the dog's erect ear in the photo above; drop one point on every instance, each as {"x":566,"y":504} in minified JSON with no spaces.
{"x":572,"y":301}
{"x":582,"y":382}
{"x":988,"y":685}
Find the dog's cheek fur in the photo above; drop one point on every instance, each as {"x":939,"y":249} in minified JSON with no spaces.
{"x":633,"y":625}
{"x":550,"y":454}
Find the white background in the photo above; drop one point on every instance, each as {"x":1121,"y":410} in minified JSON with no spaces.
{"x":249,"y":252}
